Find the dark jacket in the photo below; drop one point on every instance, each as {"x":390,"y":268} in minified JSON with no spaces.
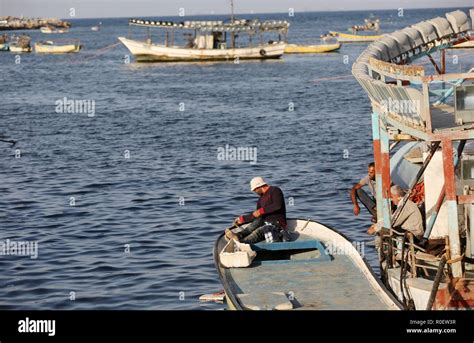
{"x":272,"y":208}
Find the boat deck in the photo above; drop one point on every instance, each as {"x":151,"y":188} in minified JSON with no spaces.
{"x":442,"y":118}
{"x":337,"y":284}
{"x":334,"y":285}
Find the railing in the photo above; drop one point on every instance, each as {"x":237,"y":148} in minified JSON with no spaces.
{"x":390,"y":83}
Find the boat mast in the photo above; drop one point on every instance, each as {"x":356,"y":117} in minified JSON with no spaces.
{"x":232,"y":20}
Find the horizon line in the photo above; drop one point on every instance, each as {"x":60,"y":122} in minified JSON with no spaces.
{"x":258,"y":12}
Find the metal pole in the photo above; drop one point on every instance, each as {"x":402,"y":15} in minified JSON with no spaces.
{"x":232,"y":18}
{"x":452,"y":206}
{"x":385,"y":173}
{"x":420,"y":173}
{"x":378,"y":166}
{"x":439,"y":203}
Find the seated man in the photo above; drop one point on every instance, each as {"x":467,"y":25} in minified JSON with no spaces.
{"x":410,"y":218}
{"x":268,"y":221}
{"x":368,"y":200}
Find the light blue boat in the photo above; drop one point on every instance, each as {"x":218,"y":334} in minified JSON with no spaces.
{"x":319,"y":270}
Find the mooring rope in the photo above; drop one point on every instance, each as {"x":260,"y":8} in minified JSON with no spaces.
{"x":99,"y":52}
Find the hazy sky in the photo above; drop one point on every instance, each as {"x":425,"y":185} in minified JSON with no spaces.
{"x":130,"y":8}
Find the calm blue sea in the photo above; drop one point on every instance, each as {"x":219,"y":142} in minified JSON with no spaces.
{"x":150,"y":195}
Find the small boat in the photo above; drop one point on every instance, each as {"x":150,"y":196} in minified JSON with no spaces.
{"x":21,"y":44}
{"x":96,"y":28}
{"x":51,"y":29}
{"x":370,"y":24}
{"x":465,"y":43}
{"x":320,"y":269}
{"x":210,"y":40}
{"x":4,"y":43}
{"x":348,"y":38}
{"x":50,"y":47}
{"x":16,"y":48}
{"x":311,"y":49}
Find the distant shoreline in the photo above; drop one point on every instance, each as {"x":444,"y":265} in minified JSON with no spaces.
{"x":270,"y":13}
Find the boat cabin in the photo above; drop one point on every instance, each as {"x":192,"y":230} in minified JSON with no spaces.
{"x":239,"y":33}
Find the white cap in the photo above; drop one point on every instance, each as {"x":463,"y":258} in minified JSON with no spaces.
{"x":257,"y":182}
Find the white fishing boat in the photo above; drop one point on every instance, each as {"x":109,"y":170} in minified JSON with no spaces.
{"x":52,"y":29}
{"x":320,"y":269}
{"x":209,"y":40}
{"x":96,"y":28}
{"x":21,"y":44}
{"x":49,"y":47}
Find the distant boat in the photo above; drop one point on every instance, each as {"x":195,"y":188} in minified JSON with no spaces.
{"x":14,"y":47}
{"x":348,"y":38}
{"x":210,"y":40}
{"x":21,"y":44}
{"x":4,"y":43}
{"x":96,"y":28}
{"x":319,"y":270}
{"x":370,"y":24}
{"x":51,"y":29}
{"x":50,"y":47}
{"x":465,"y":43}
{"x":311,"y":49}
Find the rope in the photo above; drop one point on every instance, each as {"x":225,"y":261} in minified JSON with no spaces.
{"x":98,"y":53}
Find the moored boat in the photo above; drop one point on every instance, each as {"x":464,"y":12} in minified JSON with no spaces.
{"x":311,"y":49}
{"x":319,"y":269}
{"x":96,"y":28}
{"x":432,"y":269}
{"x":4,"y":43}
{"x":348,"y":38}
{"x":21,"y":44}
{"x":209,"y":40}
{"x":49,"y":47}
{"x":370,"y":24}
{"x":52,"y":29}
{"x":465,"y":43}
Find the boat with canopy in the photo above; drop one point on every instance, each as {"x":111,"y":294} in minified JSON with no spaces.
{"x":208,"y":40}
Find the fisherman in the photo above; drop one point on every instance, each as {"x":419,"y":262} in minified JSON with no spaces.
{"x":368,"y":200}
{"x":268,"y":221}
{"x":410,"y":218}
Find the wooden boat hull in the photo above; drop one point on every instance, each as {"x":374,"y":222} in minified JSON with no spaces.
{"x":347,"y":38}
{"x":340,"y":282}
{"x":57,"y":49}
{"x":144,"y":52}
{"x":311,"y":49}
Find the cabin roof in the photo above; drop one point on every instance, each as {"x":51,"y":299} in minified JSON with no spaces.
{"x":241,"y":25}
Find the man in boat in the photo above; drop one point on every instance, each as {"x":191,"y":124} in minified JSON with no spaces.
{"x":368,"y":200}
{"x":268,"y":221}
{"x":410,"y":218}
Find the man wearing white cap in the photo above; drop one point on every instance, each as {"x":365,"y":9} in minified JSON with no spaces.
{"x":268,"y":221}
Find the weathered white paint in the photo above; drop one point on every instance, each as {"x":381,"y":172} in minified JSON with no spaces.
{"x":153,"y":52}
